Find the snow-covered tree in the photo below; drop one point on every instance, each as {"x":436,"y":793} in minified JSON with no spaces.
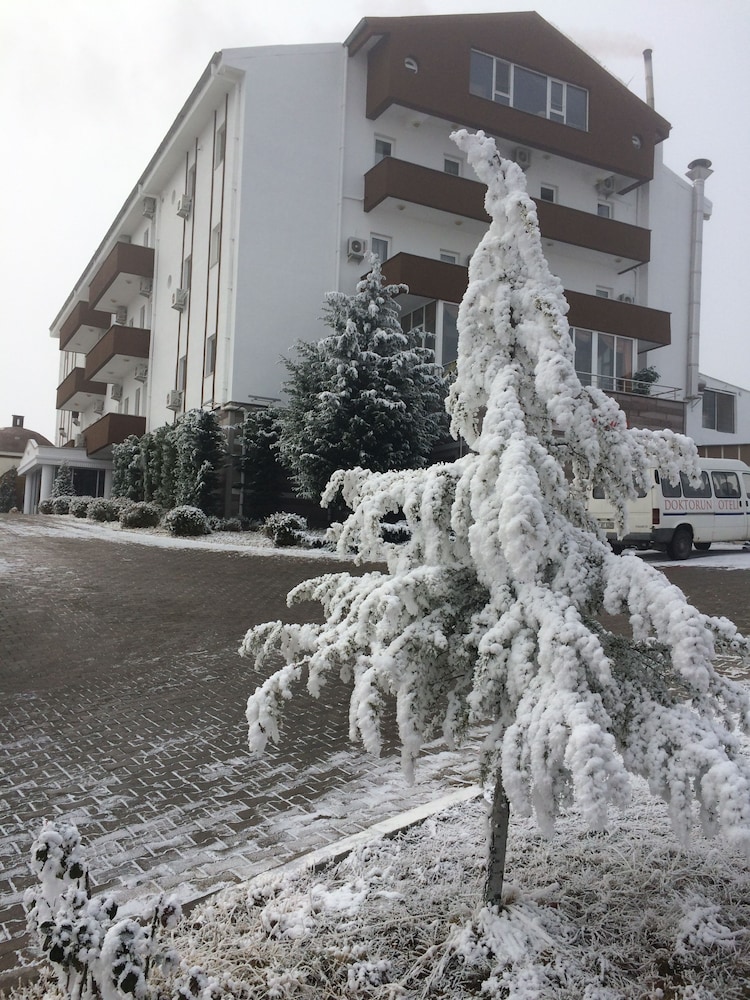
{"x":200,"y":446}
{"x":160,"y":454}
{"x":63,"y":483}
{"x":8,"y":482}
{"x":127,"y":469}
{"x":264,"y":478}
{"x":491,"y":612}
{"x":367,"y":395}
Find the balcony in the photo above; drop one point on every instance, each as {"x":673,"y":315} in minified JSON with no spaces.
{"x":118,"y":280}
{"x":434,"y":279}
{"x":117,"y":353}
{"x":111,"y":429}
{"x":457,"y":196}
{"x":83,"y":328}
{"x":76,"y":392}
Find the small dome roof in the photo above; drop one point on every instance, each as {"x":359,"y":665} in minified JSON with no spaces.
{"x":13,"y":440}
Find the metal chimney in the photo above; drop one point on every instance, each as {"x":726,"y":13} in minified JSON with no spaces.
{"x":649,"y":67}
{"x":698,"y":172}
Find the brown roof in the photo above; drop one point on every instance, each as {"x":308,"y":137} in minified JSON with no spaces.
{"x":13,"y":440}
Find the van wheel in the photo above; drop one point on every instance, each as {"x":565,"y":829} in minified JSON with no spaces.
{"x":702,"y":546}
{"x":681,"y":544}
{"x":617,"y":549}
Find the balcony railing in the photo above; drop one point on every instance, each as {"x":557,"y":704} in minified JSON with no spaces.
{"x":83,"y":328}
{"x":117,"y":353}
{"x":117,"y":283}
{"x":76,"y":392}
{"x":113,"y":428}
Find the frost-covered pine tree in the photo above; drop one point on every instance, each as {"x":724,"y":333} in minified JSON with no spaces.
{"x":63,"y":483}
{"x":200,"y":449}
{"x":8,"y":482}
{"x":127,"y":469}
{"x":367,"y":395}
{"x":491,"y":613}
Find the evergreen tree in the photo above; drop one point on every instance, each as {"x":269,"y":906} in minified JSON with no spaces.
{"x":490,"y":613}
{"x":8,"y":482}
{"x":127,"y":469}
{"x":63,"y":484}
{"x":200,"y":446}
{"x":161,"y":469}
{"x":264,"y":478}
{"x":366,"y":395}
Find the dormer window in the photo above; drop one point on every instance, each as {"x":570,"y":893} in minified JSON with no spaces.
{"x":526,"y":90}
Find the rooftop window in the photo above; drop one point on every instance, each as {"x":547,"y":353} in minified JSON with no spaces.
{"x":497,"y":80}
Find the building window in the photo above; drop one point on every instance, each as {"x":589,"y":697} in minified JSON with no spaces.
{"x":718,"y":411}
{"x":215,"y":245}
{"x":603,"y":293}
{"x":603,"y":210}
{"x":526,"y":90}
{"x":146,"y":236}
{"x":126,"y":405}
{"x":220,"y":145}
{"x":210,"y":365}
{"x":604,"y":360}
{"x":383,"y":148}
{"x":137,"y":403}
{"x":190,"y":189}
{"x":451,"y":166}
{"x":548,"y":193}
{"x":182,"y":372}
{"x":187,"y":272}
{"x":380,"y":246}
{"x":448,"y":257}
{"x":423,"y":321}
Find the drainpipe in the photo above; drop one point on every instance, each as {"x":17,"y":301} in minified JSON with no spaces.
{"x":698,"y":171}
{"x":649,"y":68}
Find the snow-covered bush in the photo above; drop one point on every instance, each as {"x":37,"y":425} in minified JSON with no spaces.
{"x":79,"y":506}
{"x":61,"y":504}
{"x":8,"y":482}
{"x":186,"y":520}
{"x":102,"y":509}
{"x":225,"y":523}
{"x":63,"y":484}
{"x":491,"y":612}
{"x":45,"y":506}
{"x":90,"y":953}
{"x":284,"y":528}
{"x":140,"y":515}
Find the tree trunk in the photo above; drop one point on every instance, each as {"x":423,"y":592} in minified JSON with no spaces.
{"x":498,"y":840}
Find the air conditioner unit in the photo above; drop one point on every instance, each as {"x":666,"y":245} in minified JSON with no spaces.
{"x":115,"y":391}
{"x":185,"y":206}
{"x":356,"y":248}
{"x":174,"y":399}
{"x":146,"y":287}
{"x":99,"y":406}
{"x":149,"y":207}
{"x":121,"y":316}
{"x":141,"y":373}
{"x":522,"y":157}
{"x":606,"y":186}
{"x":179,"y":298}
{"x":625,"y":298}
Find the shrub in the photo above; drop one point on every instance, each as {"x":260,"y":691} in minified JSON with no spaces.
{"x":45,"y":506}
{"x":186,"y":520}
{"x":225,"y":524}
{"x":101,"y":509}
{"x":284,"y":528}
{"x":140,"y":515}
{"x":61,"y":504}
{"x":79,"y":506}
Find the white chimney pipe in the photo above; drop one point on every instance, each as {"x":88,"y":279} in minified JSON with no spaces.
{"x":649,"y":67}
{"x":698,"y":171}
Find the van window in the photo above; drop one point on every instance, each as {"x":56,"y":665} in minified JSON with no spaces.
{"x":704,"y":490}
{"x":726,"y":484}
{"x":669,"y":489}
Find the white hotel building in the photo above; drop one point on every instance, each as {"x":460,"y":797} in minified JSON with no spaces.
{"x":287,"y":163}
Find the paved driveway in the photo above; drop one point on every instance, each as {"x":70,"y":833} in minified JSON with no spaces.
{"x":122,"y":709}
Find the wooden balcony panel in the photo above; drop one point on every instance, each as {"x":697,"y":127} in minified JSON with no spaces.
{"x":117,"y":282}
{"x":113,"y":428}
{"x":75,"y":392}
{"x":83,"y":328}
{"x":117,"y":352}
{"x":418,"y":185}
{"x":651,"y":412}
{"x":432,"y":279}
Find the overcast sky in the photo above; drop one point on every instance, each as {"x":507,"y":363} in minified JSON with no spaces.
{"x":89,"y":87}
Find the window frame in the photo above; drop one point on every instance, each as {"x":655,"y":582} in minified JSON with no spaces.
{"x":713,"y":420}
{"x":379,"y":238}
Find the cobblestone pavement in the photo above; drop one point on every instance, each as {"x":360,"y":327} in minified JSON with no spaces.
{"x":122,"y":710}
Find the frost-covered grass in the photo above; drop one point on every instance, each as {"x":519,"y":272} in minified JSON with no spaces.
{"x":625,"y":915}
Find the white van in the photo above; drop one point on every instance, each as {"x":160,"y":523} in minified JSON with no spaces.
{"x":673,"y":517}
